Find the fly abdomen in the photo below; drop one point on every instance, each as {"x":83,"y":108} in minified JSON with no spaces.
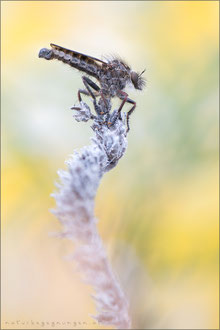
{"x":46,"y":53}
{"x":78,"y":61}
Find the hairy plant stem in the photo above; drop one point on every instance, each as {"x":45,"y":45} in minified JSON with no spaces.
{"x":77,"y":189}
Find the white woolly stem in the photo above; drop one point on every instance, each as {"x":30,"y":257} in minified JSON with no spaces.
{"x":75,"y":210}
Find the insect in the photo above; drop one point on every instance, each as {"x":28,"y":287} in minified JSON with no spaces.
{"x":113,"y":76}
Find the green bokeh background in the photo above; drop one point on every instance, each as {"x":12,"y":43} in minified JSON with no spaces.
{"x":158,"y":209}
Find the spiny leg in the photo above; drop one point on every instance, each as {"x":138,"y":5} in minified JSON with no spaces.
{"x":130,"y":112}
{"x":105,"y":102}
{"x":91,"y":83}
{"x":98,"y":92}
{"x":87,"y":85}
{"x":124,"y":97}
{"x":128,"y":100}
{"x":88,"y":82}
{"x":97,"y":89}
{"x":85,"y":92}
{"x":81,"y":91}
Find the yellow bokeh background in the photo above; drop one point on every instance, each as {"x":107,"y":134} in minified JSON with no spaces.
{"x":158,"y":209}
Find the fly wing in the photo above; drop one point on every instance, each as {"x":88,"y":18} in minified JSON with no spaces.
{"x":76,"y":54}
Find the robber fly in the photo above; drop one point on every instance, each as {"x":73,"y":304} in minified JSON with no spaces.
{"x":113,"y":76}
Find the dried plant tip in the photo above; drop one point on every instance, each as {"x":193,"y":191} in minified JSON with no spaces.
{"x":83,"y":112}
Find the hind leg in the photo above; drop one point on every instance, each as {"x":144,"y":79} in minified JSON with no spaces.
{"x":130,"y":112}
{"x":89,"y":83}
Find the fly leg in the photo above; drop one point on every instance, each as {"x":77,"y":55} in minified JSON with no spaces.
{"x":89,"y":83}
{"x":85,"y":92}
{"x":130,"y":112}
{"x":126,"y":99}
{"x":98,"y":90}
{"x":81,"y":91}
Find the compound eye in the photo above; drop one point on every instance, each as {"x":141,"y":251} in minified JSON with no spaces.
{"x":134,"y":78}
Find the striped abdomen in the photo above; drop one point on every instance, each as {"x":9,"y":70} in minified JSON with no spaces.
{"x":76,"y":60}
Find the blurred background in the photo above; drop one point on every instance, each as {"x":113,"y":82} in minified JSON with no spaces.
{"x":158,"y":209}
